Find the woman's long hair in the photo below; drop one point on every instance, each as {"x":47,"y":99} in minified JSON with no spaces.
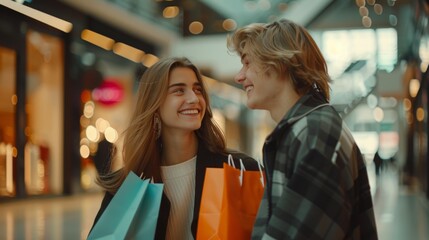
{"x":141,"y":151}
{"x":287,"y":48}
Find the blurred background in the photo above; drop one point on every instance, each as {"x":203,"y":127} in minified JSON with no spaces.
{"x":69,"y":70}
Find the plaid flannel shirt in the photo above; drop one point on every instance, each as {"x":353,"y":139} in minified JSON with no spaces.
{"x":317,"y":183}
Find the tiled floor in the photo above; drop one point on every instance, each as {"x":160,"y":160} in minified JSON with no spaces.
{"x":50,"y":218}
{"x":401,"y":213}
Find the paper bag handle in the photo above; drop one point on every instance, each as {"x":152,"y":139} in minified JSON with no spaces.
{"x":243,"y":168}
{"x":151,"y":180}
{"x":231,"y":161}
{"x":262,"y":175}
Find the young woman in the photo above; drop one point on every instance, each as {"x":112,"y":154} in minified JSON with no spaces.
{"x":172,"y":138}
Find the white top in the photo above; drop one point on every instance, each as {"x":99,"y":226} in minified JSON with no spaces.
{"x":179,"y":186}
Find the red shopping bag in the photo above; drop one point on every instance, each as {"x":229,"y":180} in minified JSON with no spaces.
{"x":229,"y":203}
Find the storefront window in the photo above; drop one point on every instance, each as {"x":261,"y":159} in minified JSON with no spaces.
{"x":44,"y":110}
{"x":106,"y":101}
{"x":7,"y":120}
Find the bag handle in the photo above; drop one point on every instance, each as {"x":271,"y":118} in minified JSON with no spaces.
{"x":243,"y":168}
{"x":151,"y":179}
{"x":262,"y":175}
{"x":231,"y":161}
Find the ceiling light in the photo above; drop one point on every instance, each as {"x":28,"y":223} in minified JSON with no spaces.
{"x":378,"y":9}
{"x":371,"y":2}
{"x":149,"y":60}
{"x":420,"y":114}
{"x":393,"y":20}
{"x":229,"y":24}
{"x":363,"y":11}
{"x":391,"y":2}
{"x":50,"y":20}
{"x":360,"y":3}
{"x":196,"y":27}
{"x":407,"y":104}
{"x":366,"y":21}
{"x":170,"y":12}
{"x":127,"y":51}
{"x":414,"y":87}
{"x":378,"y":114}
{"x":97,"y":39}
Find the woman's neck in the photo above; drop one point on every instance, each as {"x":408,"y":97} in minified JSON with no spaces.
{"x":178,"y":149}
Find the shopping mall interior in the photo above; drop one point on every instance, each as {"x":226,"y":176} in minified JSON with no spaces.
{"x":69,"y":71}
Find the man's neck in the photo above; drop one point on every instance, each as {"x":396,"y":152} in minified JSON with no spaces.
{"x":287,"y":100}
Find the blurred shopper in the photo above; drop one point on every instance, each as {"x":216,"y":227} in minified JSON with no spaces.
{"x":378,"y":162}
{"x":172,"y":138}
{"x":103,"y":156}
{"x":317,"y":183}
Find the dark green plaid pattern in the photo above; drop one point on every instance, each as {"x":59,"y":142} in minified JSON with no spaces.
{"x":317,"y":183}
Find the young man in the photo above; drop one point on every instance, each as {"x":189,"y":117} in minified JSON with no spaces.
{"x":317,"y":183}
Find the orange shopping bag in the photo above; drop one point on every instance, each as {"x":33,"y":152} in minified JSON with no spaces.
{"x":229,"y":203}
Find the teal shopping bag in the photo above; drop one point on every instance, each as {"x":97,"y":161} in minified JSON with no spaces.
{"x":145,"y":223}
{"x":132,"y":212}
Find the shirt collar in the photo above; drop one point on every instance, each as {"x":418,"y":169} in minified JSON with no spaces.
{"x":305,"y":104}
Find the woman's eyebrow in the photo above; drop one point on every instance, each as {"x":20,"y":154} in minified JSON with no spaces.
{"x":177,"y":85}
{"x":183,"y":84}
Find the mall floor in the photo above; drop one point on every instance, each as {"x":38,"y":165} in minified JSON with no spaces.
{"x":402,"y":212}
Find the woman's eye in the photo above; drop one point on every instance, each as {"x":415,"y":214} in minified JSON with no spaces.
{"x":178,"y":90}
{"x":198,"y":90}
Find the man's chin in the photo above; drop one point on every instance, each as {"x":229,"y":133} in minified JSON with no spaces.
{"x":252,"y":105}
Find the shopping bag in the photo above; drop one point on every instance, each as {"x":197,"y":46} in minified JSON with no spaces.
{"x":229,"y":203}
{"x":145,"y":223}
{"x":132,"y":212}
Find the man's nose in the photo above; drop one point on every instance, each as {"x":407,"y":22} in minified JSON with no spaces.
{"x":239,"y":78}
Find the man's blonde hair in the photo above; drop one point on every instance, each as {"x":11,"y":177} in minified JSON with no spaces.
{"x":286,"y":48}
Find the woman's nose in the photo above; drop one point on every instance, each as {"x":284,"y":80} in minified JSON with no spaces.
{"x":192,"y":97}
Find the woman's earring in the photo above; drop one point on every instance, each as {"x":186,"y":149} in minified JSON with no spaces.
{"x":157,"y":126}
